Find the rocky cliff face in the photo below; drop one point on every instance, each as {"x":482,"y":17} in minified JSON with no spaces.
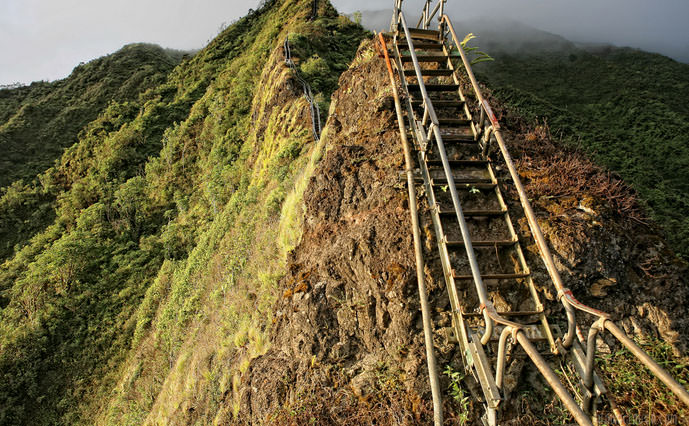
{"x":347,"y":343}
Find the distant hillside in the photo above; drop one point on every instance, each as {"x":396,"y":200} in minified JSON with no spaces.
{"x":40,"y":121}
{"x":37,"y":122}
{"x":626,"y":108}
{"x":172,"y":207}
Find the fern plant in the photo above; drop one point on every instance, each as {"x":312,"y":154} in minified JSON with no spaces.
{"x":480,"y":56}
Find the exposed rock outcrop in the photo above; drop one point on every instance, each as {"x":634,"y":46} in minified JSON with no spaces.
{"x":347,"y":345}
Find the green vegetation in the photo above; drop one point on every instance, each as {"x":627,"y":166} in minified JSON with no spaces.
{"x":326,"y":52}
{"x":166,"y":226}
{"x":626,"y":108}
{"x":37,"y":122}
{"x":458,"y":394}
{"x":477,"y":56}
{"x":641,"y":397}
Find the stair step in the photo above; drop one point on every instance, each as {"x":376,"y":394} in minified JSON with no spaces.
{"x":433,"y":87}
{"x":505,"y":313}
{"x":453,"y":139}
{"x":458,"y":162}
{"x":490,"y":276}
{"x":425,"y":58}
{"x":483,"y":243}
{"x":461,"y":181}
{"x":423,"y":34}
{"x":532,"y":331}
{"x":429,"y":73}
{"x":421,"y":45}
{"x":454,"y":121}
{"x":474,"y":213}
{"x":439,"y":103}
{"x":468,"y":186}
{"x":459,"y":139}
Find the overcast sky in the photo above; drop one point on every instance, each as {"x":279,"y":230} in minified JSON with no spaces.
{"x":45,"y":39}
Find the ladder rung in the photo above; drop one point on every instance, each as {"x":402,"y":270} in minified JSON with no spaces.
{"x":490,"y":276}
{"x":452,"y":139}
{"x":459,"y":139}
{"x":532,"y":331}
{"x":462,"y":181}
{"x":505,"y":313}
{"x":433,"y":87}
{"x":425,"y":58}
{"x":454,"y":121}
{"x":469,"y":186}
{"x":429,"y":73}
{"x":483,"y":243}
{"x":440,"y":102}
{"x":423,"y":34}
{"x":421,"y":45}
{"x":475,"y":213}
{"x":458,"y":162}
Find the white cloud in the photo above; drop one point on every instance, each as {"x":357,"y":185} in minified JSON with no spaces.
{"x":45,"y":39}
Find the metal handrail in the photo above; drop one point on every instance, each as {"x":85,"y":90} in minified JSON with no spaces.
{"x":418,"y":249}
{"x":313,"y":105}
{"x":430,"y":113}
{"x":490,"y":314}
{"x":565,"y":295}
{"x":427,"y":17}
{"x":486,"y":111}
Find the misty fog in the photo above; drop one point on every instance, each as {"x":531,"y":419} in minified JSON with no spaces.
{"x":45,"y":39}
{"x":656,"y":26}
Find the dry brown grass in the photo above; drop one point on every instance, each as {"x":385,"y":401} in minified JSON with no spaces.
{"x":549,"y":169}
{"x":552,"y":171}
{"x":328,"y":399}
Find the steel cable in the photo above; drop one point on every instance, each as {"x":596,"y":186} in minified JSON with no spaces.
{"x":308,"y":94}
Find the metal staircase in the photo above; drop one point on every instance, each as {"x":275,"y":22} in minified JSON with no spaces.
{"x":495,"y":305}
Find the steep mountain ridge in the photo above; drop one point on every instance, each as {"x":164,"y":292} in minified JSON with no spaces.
{"x":37,"y":122}
{"x":172,"y":212}
{"x":40,"y":121}
{"x":206,"y":262}
{"x":347,"y":345}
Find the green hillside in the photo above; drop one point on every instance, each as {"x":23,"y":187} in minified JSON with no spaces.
{"x":175,"y":210}
{"x":627,"y":108}
{"x":37,"y":122}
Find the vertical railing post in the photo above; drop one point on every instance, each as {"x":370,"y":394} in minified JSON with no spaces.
{"x":426,"y":11}
{"x":396,"y":15}
{"x":441,"y":25}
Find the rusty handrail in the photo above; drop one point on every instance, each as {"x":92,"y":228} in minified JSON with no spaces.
{"x":418,"y":249}
{"x":565,"y":295}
